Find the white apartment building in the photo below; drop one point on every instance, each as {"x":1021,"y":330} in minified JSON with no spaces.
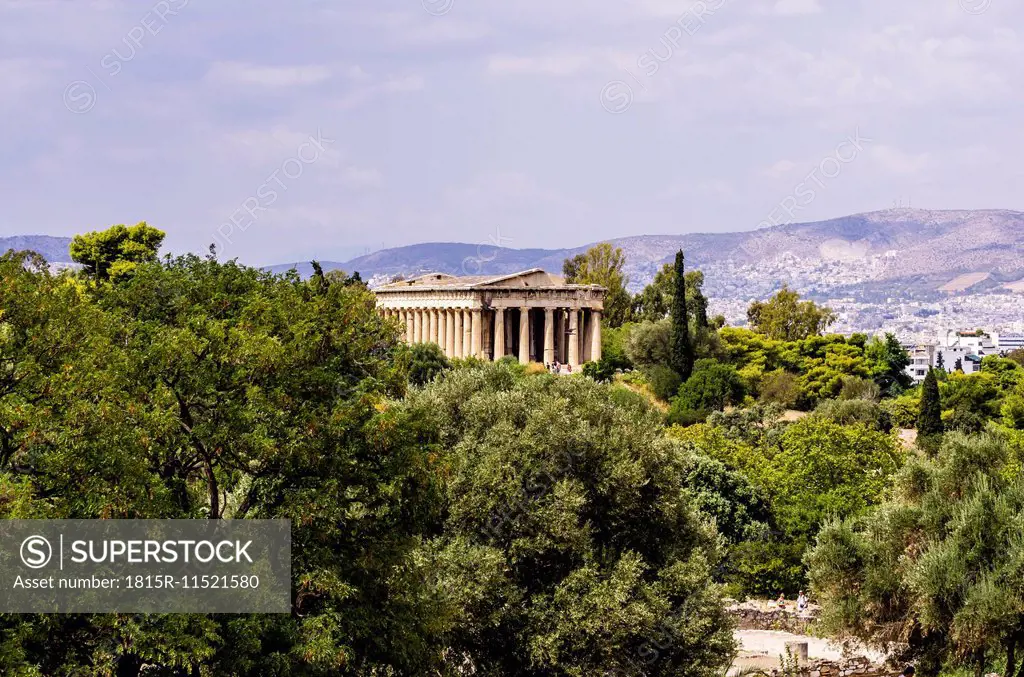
{"x":1007,"y":342}
{"x":952,"y":349}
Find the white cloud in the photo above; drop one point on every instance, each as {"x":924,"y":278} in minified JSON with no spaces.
{"x":899,"y":162}
{"x":793,"y":7}
{"x":559,"y":65}
{"x":779,"y":169}
{"x":366,"y":92}
{"x":22,"y":76}
{"x":262,"y":148}
{"x":359,"y":177}
{"x":235,"y":73}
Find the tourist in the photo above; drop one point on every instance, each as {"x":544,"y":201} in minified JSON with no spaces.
{"x":801,"y":602}
{"x":568,"y":368}
{"x":781,"y":601}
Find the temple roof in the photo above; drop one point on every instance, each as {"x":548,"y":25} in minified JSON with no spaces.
{"x":535,"y":278}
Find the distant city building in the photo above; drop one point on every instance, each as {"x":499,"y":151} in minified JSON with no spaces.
{"x":953,"y":348}
{"x":1007,"y":342}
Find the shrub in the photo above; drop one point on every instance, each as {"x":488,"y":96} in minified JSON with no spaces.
{"x":613,"y":346}
{"x":763,"y":568}
{"x":712,"y":387}
{"x":650,"y":344}
{"x":848,"y":412}
{"x":903,"y":410}
{"x":602,"y":371}
{"x":685,"y":417}
{"x":664,"y":381}
{"x":857,"y":388}
{"x":780,"y":387}
{"x":426,"y":361}
{"x":965,"y":421}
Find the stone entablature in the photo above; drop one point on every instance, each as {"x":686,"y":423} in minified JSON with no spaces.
{"x":532,"y":315}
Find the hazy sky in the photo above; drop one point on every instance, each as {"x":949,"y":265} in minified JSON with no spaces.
{"x":325,"y":127}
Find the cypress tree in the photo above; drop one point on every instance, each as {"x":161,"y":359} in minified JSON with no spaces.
{"x":940,"y":362}
{"x":682,"y":349}
{"x":929,"y":419}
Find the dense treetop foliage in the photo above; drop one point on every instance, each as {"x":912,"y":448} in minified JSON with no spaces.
{"x":936,"y":572}
{"x":785,"y":317}
{"x":568,"y":526}
{"x":114,"y":253}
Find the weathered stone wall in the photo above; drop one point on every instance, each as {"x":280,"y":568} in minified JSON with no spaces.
{"x":854,"y":667}
{"x":764,"y":616}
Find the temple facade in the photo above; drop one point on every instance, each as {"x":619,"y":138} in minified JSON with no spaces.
{"x":532,"y":315}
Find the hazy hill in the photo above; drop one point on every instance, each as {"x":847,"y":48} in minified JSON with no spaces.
{"x":917,"y":249}
{"x":54,"y":249}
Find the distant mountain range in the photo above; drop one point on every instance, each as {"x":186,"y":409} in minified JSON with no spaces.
{"x":913,"y":251}
{"x":896,"y":252}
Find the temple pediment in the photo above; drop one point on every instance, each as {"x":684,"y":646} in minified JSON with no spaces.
{"x":526,"y":278}
{"x":535,"y":278}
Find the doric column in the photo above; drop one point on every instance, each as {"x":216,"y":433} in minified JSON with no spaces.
{"x":499,"y":334}
{"x":549,"y":336}
{"x":467,"y":333}
{"x":478,"y":332}
{"x":410,"y":335}
{"x":417,"y":325}
{"x":510,"y":332}
{"x":442,"y":329}
{"x":574,"y":337}
{"x":449,"y":332}
{"x":595,"y":344}
{"x":524,"y":335}
{"x":457,"y":334}
{"x":587,"y":323}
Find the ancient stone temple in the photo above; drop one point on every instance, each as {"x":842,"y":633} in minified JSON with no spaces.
{"x":532,"y":315}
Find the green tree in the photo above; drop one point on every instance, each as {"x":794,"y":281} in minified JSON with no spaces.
{"x":781,"y":387}
{"x":650,"y":344}
{"x":934,"y":572}
{"x":194,"y":389}
{"x":655,"y":301}
{"x":712,"y":387}
{"x":682,"y":349}
{"x":929,"y":419}
{"x":823,"y":468}
{"x":114,"y":253}
{"x":1017,"y":356}
{"x":784,"y":317}
{"x":602,"y":264}
{"x":888,"y":362}
{"x":570,"y":539}
{"x":664,"y":381}
{"x":426,"y":362}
